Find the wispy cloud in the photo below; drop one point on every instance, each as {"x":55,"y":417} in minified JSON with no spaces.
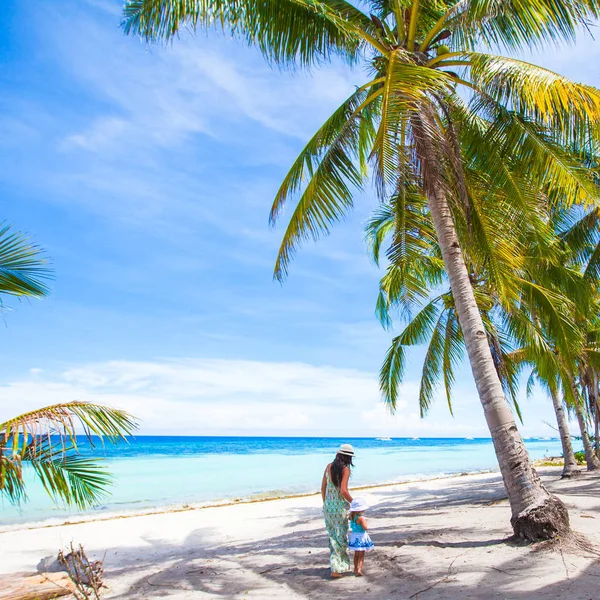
{"x":207,"y":396}
{"x":162,"y":95}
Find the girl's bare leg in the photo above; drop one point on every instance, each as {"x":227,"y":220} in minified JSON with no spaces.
{"x":359,"y":559}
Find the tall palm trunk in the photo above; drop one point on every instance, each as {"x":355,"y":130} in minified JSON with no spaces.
{"x":596,"y":430}
{"x":591,"y":459}
{"x":596,"y":413}
{"x":536,"y":514}
{"x":570,"y":468}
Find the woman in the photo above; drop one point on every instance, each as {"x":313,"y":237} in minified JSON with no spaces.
{"x":336,"y":498}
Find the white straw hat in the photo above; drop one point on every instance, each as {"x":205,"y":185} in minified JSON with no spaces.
{"x":358,"y":505}
{"x":346,"y":449}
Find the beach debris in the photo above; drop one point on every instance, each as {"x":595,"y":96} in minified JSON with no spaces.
{"x":86,"y":575}
{"x":39,"y":586}
{"x":50,"y":564}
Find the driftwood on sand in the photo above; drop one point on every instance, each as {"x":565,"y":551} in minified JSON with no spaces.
{"x":72,"y":575}
{"x":44,"y":586}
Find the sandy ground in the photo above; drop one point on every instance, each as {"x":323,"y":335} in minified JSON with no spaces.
{"x":434,"y":539}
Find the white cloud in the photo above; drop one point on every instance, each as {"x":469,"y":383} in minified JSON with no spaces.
{"x":162,"y":95}
{"x":220,"y":397}
{"x":104,"y":132}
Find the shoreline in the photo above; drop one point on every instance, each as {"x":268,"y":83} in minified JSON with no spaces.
{"x":187,"y":507}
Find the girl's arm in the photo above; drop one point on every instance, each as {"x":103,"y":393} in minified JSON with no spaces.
{"x":344,"y":485}
{"x":323,"y":485}
{"x":362,"y":522}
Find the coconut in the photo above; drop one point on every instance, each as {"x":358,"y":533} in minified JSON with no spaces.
{"x":442,"y":49}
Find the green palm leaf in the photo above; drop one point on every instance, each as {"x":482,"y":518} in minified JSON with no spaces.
{"x":537,"y":94}
{"x":47,"y":439}
{"x":433,"y":364}
{"x":516,"y":25}
{"x":329,"y":162}
{"x":23,"y":266}
{"x":70,"y":478}
{"x":286,"y":31}
{"x":416,"y":332}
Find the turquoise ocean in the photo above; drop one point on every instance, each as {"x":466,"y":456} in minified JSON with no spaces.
{"x":167,"y":472}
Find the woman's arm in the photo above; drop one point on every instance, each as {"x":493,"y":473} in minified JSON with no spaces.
{"x":344,"y":485}
{"x":324,"y":485}
{"x":362,"y":522}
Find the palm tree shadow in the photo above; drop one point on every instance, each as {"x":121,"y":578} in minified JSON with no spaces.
{"x":296,"y":561}
{"x":465,"y":544}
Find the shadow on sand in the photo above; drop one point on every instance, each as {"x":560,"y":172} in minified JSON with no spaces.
{"x":411,"y":560}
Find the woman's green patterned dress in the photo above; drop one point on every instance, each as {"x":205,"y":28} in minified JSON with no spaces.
{"x":335,"y":511}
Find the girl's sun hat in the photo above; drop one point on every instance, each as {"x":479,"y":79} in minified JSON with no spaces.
{"x":358,"y":505}
{"x":346,"y":449}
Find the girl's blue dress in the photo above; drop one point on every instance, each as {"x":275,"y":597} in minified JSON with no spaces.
{"x":359,"y":539}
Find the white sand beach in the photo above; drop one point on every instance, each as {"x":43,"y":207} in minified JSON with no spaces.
{"x":441,"y":538}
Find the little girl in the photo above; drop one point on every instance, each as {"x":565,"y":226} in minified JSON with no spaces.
{"x":359,"y":540}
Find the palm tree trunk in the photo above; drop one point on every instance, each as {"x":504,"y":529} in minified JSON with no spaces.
{"x":591,"y":459}
{"x":596,"y":413}
{"x":570,"y":468}
{"x":536,"y":514}
{"x":596,"y":430}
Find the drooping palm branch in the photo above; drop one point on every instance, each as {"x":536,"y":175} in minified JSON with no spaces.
{"x":47,"y":440}
{"x":24,"y":267}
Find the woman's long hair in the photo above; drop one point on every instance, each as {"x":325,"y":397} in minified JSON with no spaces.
{"x":337,"y":468}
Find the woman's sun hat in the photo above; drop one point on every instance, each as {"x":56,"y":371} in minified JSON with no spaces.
{"x":346,"y":449}
{"x":358,"y":505}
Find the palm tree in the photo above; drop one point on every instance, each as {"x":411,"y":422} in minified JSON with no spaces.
{"x":546,"y":371}
{"x":47,"y":439}
{"x":570,"y":468}
{"x":507,"y":325}
{"x":409,"y":128}
{"x":581,"y":241}
{"x":583,"y":396}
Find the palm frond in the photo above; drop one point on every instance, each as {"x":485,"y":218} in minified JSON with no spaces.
{"x":23,"y":265}
{"x":69,"y":477}
{"x":287,"y":32}
{"x":408,"y":91}
{"x":63,"y":419}
{"x":592,"y":268}
{"x":536,"y":152}
{"x":453,"y":354}
{"x":416,"y":332}
{"x":582,"y":235}
{"x":515,"y":25}
{"x":415,"y":265}
{"x":46,"y":439}
{"x":432,"y":365}
{"x":570,"y":110}
{"x":556,"y":312}
{"x":328,"y":160}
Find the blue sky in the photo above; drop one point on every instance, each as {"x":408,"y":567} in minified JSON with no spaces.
{"x":147,"y":174}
